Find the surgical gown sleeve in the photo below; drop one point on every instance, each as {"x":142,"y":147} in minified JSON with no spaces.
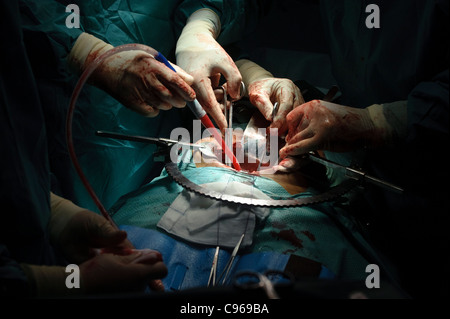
{"x":237,"y":17}
{"x":428,"y":130}
{"x":114,"y":167}
{"x":45,"y":27}
{"x":419,"y":164}
{"x":25,"y":177}
{"x":384,"y":65}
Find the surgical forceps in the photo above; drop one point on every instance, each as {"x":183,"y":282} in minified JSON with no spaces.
{"x":229,"y":265}
{"x":225,"y":101}
{"x":229,"y":117}
{"x":213,"y":272}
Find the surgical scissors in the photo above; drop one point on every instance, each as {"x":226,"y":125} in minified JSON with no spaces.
{"x":249,"y":280}
{"x":229,"y":265}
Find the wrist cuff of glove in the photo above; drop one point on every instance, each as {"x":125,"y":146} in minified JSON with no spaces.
{"x":203,"y":21}
{"x":62,"y":211}
{"x":390,"y":121}
{"x":85,"y":50}
{"x":252,"y":72}
{"x":49,"y":281}
{"x":206,"y":19}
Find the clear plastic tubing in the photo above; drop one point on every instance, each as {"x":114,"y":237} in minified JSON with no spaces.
{"x":155,"y":284}
{"x":69,"y":119}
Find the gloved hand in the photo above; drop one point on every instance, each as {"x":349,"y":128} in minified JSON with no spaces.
{"x":264,"y":90}
{"x":134,"y":78}
{"x":320,"y":125}
{"x":105,"y":273}
{"x":79,"y":233}
{"x":201,"y":56}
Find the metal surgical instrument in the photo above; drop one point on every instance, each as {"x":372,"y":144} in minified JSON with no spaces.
{"x":275,"y":110}
{"x":229,"y":118}
{"x":355,"y":174}
{"x":152,"y":140}
{"x":213,"y":272}
{"x":230,"y":262}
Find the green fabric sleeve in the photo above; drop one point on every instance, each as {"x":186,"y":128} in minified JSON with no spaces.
{"x":48,"y":40}
{"x":49,"y":17}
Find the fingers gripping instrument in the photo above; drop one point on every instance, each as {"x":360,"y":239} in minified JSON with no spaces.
{"x":200,"y":113}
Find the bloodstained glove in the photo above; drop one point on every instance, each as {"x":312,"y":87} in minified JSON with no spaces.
{"x":320,"y":125}
{"x":264,"y":90}
{"x":134,"y":78}
{"x":201,"y":56}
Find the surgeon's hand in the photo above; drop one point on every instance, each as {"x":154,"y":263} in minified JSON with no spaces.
{"x":81,"y":234}
{"x":264,"y":93}
{"x":320,"y":125}
{"x":201,"y":56}
{"x":143,"y":84}
{"x":264,"y":90}
{"x":105,"y":273}
{"x":108,"y":273}
{"x":86,"y":233}
{"x":134,"y":78}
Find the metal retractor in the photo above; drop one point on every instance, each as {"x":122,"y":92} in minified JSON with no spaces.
{"x":354,"y":177}
{"x":331,"y":194}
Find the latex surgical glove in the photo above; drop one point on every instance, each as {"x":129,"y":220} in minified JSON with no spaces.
{"x":80,"y":233}
{"x":264,"y":90}
{"x":106,"y":273}
{"x":201,"y":56}
{"x":320,"y":125}
{"x":134,"y":78}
